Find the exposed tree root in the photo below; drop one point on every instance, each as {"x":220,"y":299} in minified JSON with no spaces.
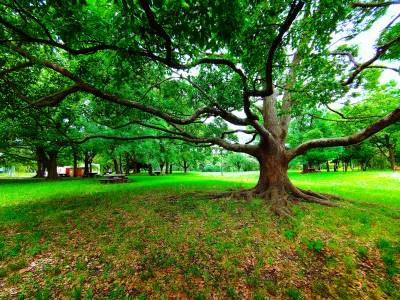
{"x":279,"y":200}
{"x":309,"y":196}
{"x":314,"y":194}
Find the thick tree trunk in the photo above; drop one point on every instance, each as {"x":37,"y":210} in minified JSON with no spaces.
{"x":166,"y":167}
{"x":273,"y":171}
{"x":274,"y":184}
{"x":150,"y":169}
{"x":40,"y":168}
{"x":41,"y":163}
{"x":52,"y":165}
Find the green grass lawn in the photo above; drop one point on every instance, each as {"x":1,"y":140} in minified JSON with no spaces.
{"x":80,"y":239}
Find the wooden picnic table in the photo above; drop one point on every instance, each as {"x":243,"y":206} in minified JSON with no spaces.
{"x":91,"y":174}
{"x":64,"y":175}
{"x":114,"y":178}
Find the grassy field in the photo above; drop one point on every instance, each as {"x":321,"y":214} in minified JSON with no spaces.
{"x":79,"y":239}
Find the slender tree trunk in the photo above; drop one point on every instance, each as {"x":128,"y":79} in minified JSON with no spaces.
{"x":87,"y":162}
{"x":116,"y":166}
{"x":363,"y":166}
{"x":120,"y":164}
{"x":170,"y":168}
{"x":391,"y":153}
{"x":392,"y":159}
{"x":75,"y":154}
{"x":150,"y":169}
{"x":52,"y":165}
{"x":161,"y":167}
{"x":127,"y":164}
{"x":327,"y":166}
{"x":185,"y":166}
{"x":166,"y":167}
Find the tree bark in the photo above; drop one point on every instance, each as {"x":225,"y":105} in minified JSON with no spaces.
{"x":52,"y":165}
{"x":166,"y":167}
{"x":150,"y":169}
{"x":274,"y":184}
{"x":327,"y":166}
{"x":170,"y":168}
{"x":41,"y":162}
{"x":40,"y":168}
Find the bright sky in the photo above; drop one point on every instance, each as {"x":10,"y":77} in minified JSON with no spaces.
{"x":366,"y":41}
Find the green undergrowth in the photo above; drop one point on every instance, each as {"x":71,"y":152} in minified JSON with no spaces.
{"x":79,"y":239}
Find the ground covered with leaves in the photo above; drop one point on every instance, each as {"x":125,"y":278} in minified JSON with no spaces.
{"x":79,"y":239}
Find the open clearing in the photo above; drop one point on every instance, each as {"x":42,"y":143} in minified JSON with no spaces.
{"x":79,"y":239}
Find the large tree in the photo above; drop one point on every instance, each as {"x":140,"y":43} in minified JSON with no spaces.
{"x":193,"y":67}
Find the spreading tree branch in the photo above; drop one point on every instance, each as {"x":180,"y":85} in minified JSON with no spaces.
{"x":380,"y":51}
{"x":355,"y":138}
{"x":295,"y":9}
{"x":343,"y":116}
{"x":250,"y":149}
{"x":159,"y":30}
{"x":25,"y":37}
{"x":5,"y":72}
{"x":373,"y":5}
